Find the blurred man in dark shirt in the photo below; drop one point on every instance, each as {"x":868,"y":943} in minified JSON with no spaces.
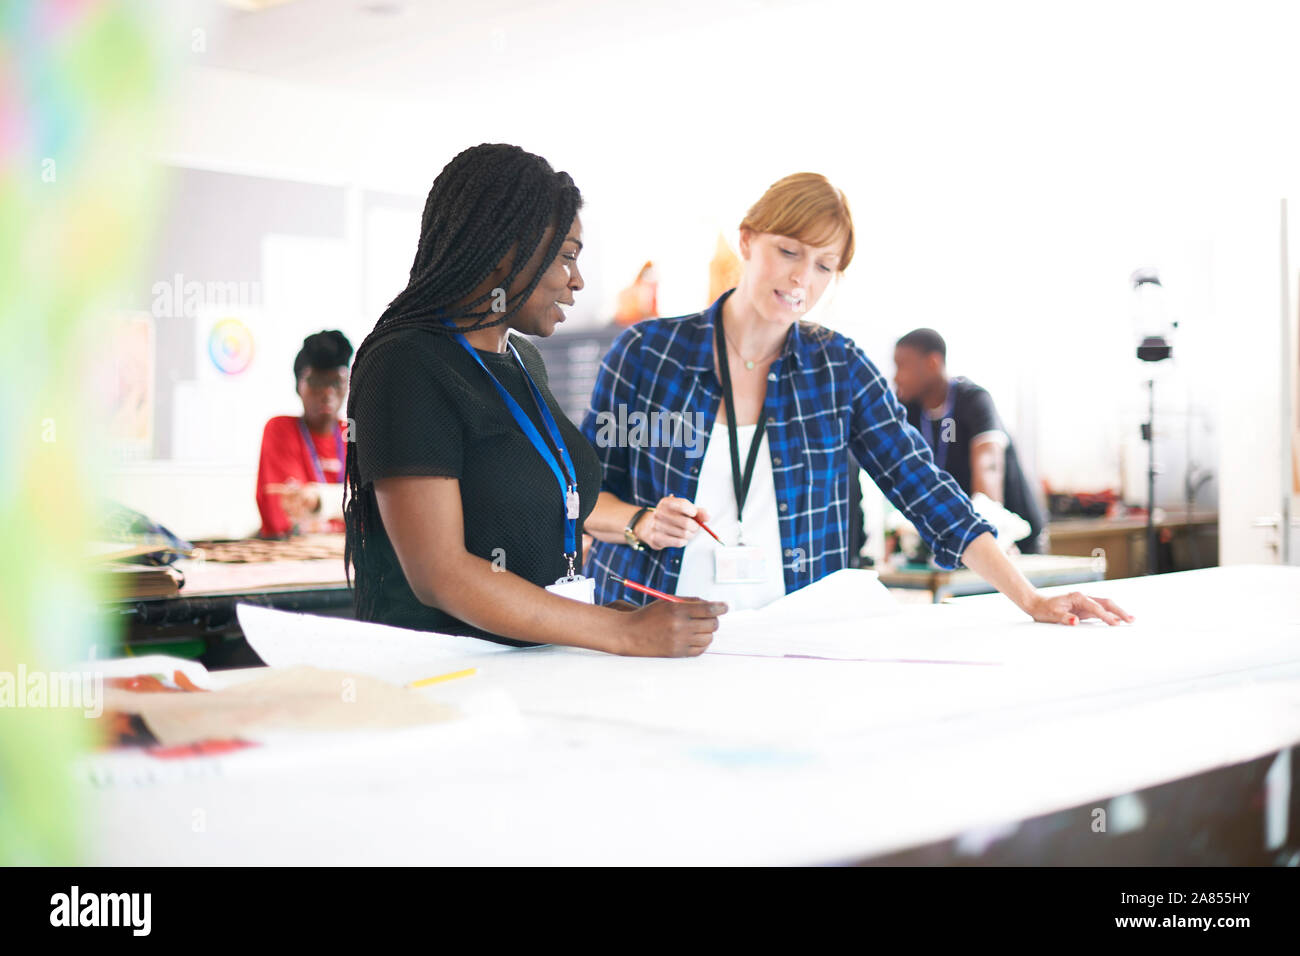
{"x":960,"y":423}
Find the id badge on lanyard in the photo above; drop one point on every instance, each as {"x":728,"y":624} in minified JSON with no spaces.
{"x":738,"y":563}
{"x":573,"y":585}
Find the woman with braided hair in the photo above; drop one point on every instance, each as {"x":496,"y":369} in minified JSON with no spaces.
{"x":466,"y":486}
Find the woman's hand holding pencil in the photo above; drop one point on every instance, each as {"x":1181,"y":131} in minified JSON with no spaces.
{"x":673,"y":523}
{"x":669,"y":626}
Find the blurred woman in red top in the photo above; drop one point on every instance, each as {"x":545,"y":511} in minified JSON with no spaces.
{"x":299,"y":477}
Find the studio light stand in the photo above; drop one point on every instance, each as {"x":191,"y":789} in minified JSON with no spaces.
{"x":1153,"y":347}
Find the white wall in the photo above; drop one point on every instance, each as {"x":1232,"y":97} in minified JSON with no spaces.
{"x":1248,"y":285}
{"x":1008,"y":170}
{"x":195,"y":500}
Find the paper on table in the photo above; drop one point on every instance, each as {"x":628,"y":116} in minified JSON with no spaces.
{"x":847,"y":593}
{"x":948,"y":637}
{"x":281,"y":702}
{"x":286,"y":639}
{"x":811,"y":621}
{"x":852,"y":621}
{"x":850,"y":615}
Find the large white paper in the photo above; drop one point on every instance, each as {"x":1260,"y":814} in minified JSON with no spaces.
{"x":288,"y":639}
{"x":850,"y":615}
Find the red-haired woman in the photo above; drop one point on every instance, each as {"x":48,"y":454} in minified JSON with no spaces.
{"x":751,"y":409}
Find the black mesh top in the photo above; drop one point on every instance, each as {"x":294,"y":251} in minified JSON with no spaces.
{"x":422,"y":406}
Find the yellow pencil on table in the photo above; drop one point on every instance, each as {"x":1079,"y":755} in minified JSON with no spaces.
{"x":443,"y":677}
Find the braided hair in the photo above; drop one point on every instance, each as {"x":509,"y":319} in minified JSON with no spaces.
{"x":490,"y":202}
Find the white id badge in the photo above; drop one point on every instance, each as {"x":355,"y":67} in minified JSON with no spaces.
{"x":576,"y":588}
{"x":739,"y":564}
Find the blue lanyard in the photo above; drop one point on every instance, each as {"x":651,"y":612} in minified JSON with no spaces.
{"x":563,"y":470}
{"x":940,"y":447}
{"x":311,"y":447}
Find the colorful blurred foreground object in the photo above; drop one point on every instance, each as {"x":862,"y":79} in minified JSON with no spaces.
{"x":78,"y":80}
{"x":640,"y":300}
{"x":125,"y":729}
{"x":724,"y":270}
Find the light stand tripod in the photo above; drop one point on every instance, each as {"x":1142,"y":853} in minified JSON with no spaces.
{"x":1154,"y":348}
{"x":1148,"y":436}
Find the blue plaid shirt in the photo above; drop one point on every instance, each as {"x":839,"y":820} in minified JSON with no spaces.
{"x":824,"y":398}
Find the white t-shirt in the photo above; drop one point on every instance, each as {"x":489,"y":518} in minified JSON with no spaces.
{"x":717,"y":496}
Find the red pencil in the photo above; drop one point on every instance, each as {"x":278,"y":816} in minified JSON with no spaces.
{"x":706,"y":528}
{"x":696,"y":519}
{"x":647,"y":590}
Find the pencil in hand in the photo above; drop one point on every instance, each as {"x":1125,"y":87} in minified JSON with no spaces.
{"x":696,"y":519}
{"x":647,"y":590}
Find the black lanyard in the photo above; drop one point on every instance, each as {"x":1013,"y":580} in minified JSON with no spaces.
{"x":741,"y":485}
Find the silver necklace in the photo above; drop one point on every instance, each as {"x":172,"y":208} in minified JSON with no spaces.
{"x":749,"y":364}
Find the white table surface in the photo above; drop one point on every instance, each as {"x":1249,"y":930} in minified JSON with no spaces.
{"x":575,"y":757}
